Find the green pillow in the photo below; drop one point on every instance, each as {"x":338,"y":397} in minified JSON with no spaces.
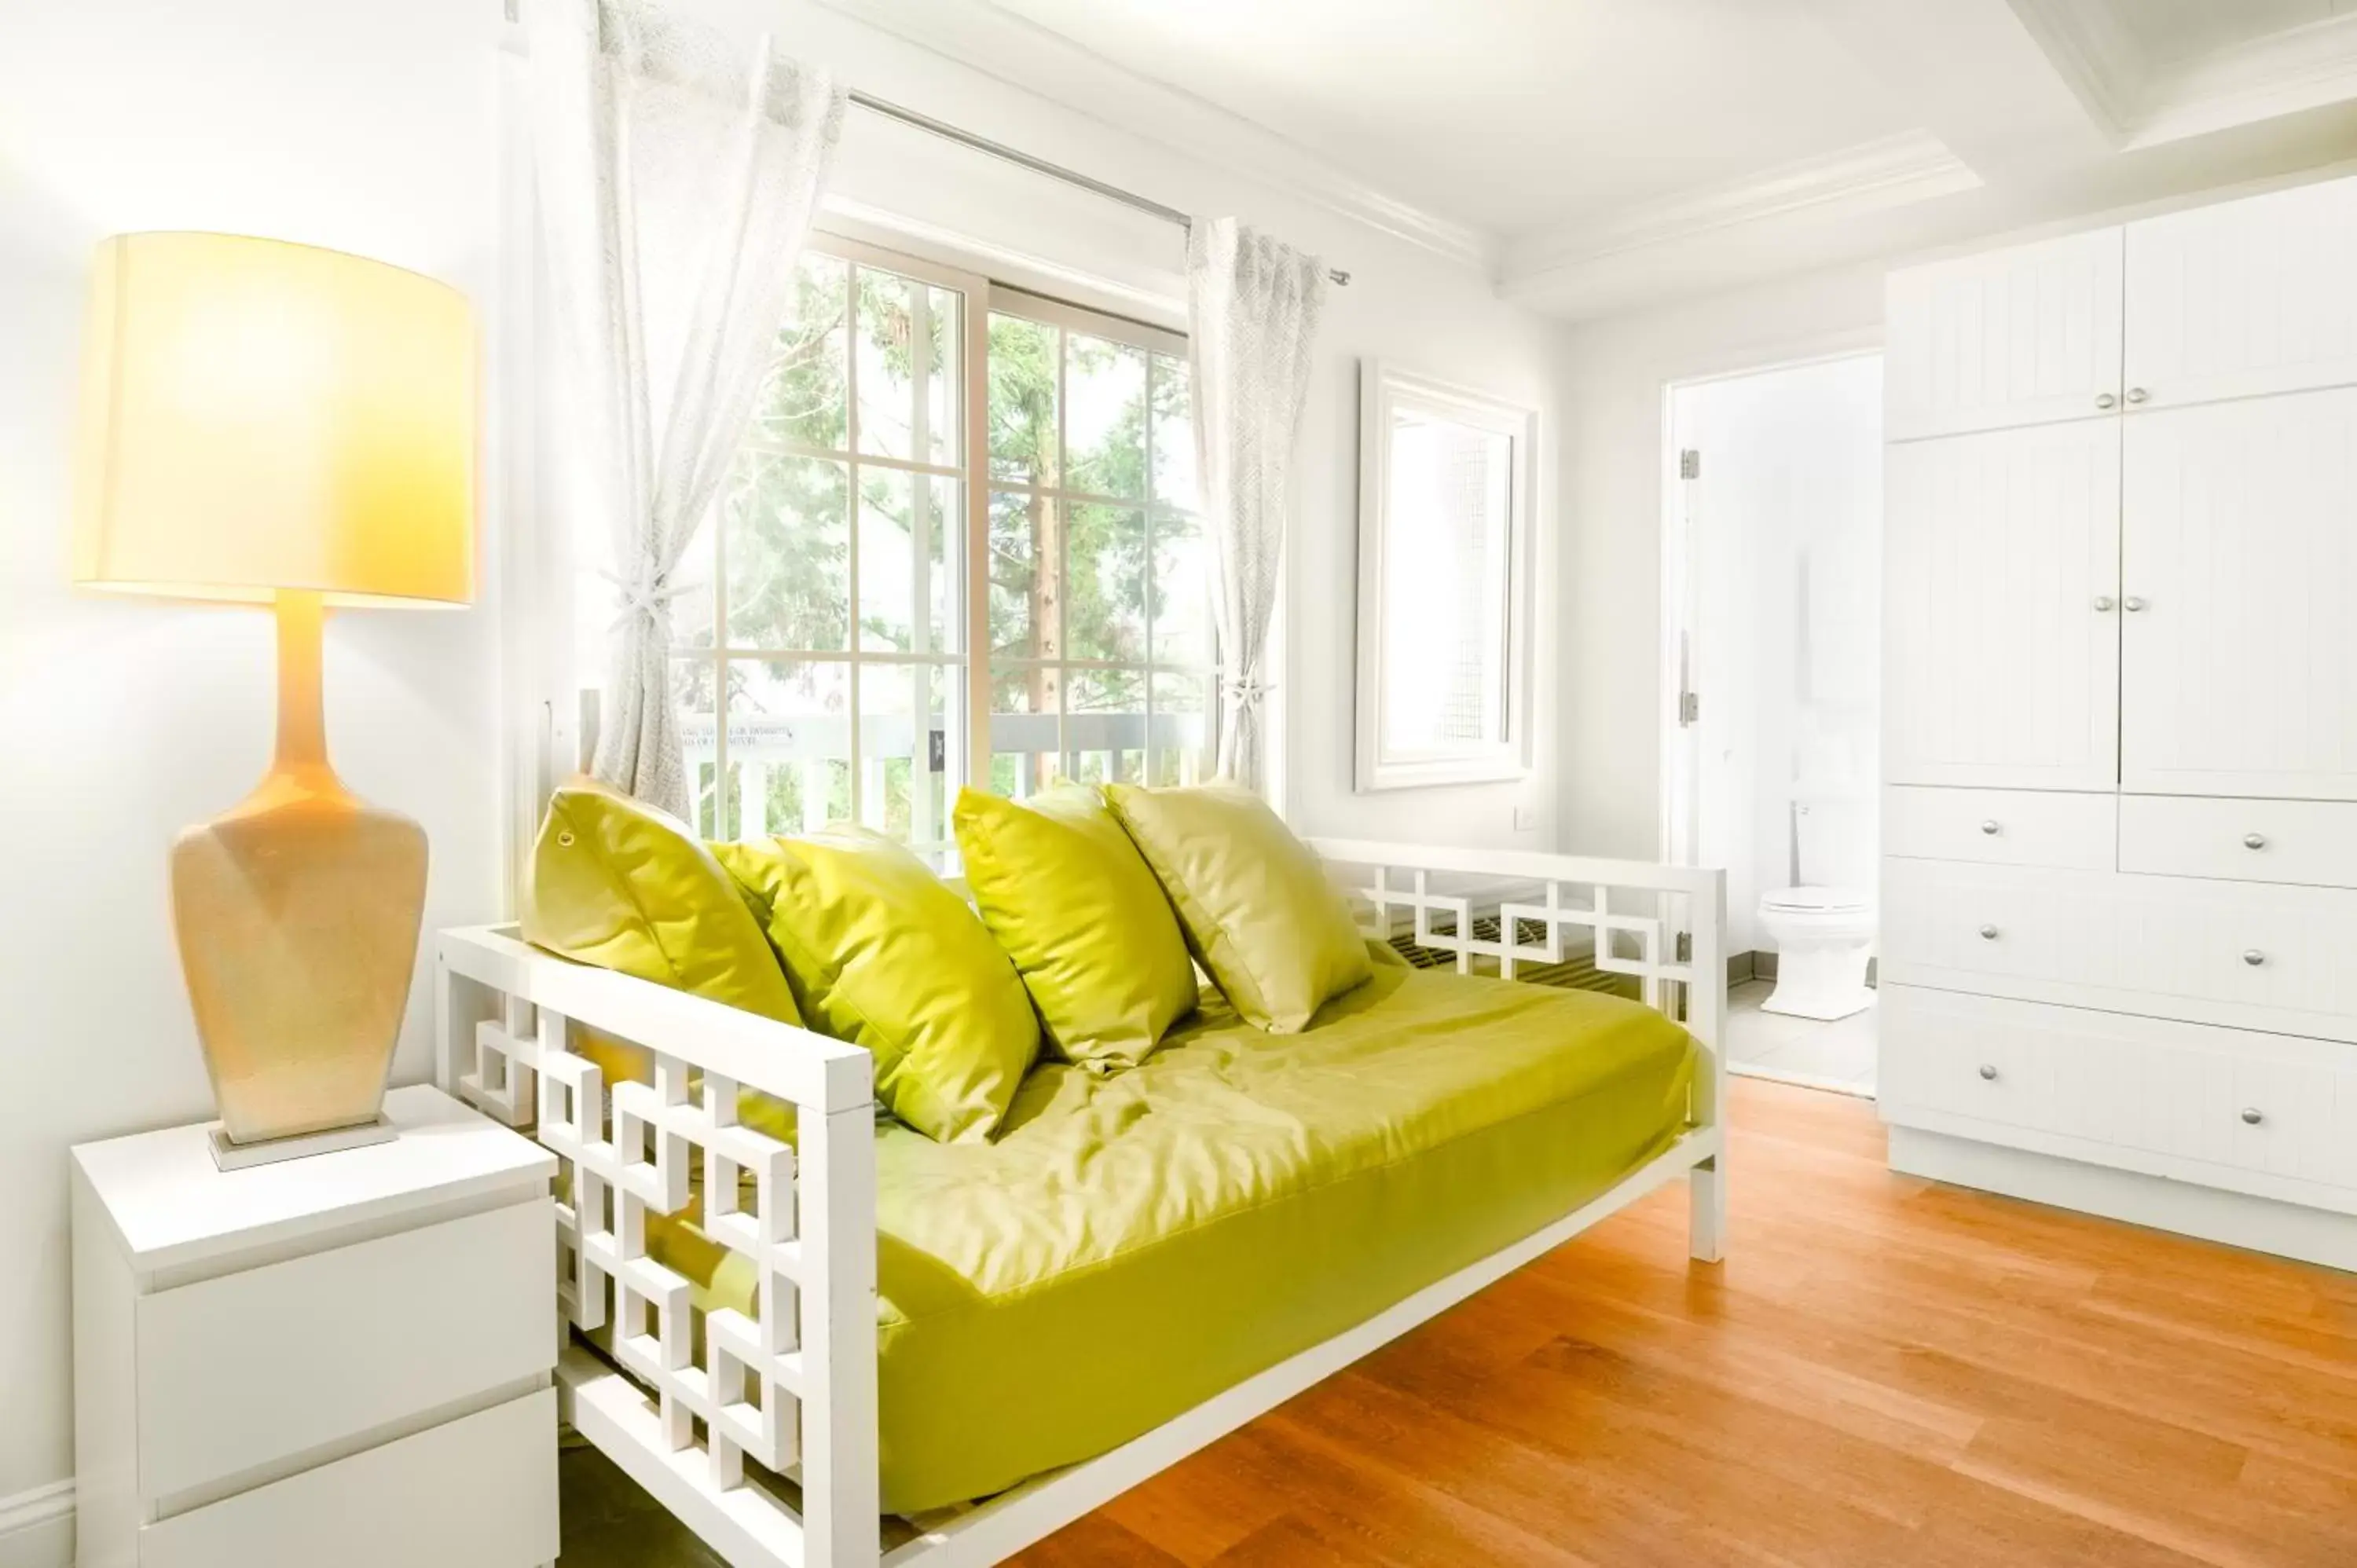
{"x":883,"y":955}
{"x":1254,"y":901}
{"x":615,"y":883}
{"x":1063,"y":889}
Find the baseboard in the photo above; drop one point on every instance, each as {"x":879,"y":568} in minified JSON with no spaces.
{"x":37,"y":1528}
{"x":2237,"y":1220}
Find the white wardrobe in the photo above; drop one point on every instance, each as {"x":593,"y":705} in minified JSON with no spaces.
{"x":2119,"y":890}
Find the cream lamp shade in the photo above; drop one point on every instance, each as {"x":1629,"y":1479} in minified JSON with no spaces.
{"x":293,"y":427}
{"x":259,"y":416}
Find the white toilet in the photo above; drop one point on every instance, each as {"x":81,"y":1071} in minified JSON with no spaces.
{"x":1823,"y":930}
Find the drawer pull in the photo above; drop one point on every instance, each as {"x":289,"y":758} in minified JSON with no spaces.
{"x":2254,"y":957}
{"x":1988,"y":933}
{"x":1988,"y":1073}
{"x":2255,"y":840}
{"x":1989,"y":826}
{"x":2251,"y":1116}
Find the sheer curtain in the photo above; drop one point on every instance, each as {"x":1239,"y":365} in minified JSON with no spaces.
{"x":677,"y":174}
{"x":1253,"y":307}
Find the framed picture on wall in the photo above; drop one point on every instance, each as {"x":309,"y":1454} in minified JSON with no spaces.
{"x":1446,"y":481}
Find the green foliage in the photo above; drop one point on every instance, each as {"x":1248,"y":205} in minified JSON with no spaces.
{"x":789,"y":521}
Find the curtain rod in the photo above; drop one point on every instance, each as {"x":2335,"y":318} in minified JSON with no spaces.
{"x":1001,"y":151}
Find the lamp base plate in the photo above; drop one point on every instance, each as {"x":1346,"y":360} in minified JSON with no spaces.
{"x":229,"y":1156}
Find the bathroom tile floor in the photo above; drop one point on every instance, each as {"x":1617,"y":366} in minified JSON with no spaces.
{"x":1837,"y":1056}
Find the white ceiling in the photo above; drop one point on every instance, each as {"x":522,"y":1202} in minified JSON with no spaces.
{"x":1507,"y":113}
{"x":1597,"y":154}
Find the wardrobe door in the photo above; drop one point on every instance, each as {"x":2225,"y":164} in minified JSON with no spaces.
{"x":2020,"y":337}
{"x":2244,"y":298}
{"x":2239,"y":566}
{"x":2000,"y":625}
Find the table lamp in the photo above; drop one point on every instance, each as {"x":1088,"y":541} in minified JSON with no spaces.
{"x":280,"y":424}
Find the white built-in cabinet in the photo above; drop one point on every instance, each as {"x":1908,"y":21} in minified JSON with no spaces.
{"x":2119,"y":909}
{"x":2019,"y":337}
{"x":2001,"y":565}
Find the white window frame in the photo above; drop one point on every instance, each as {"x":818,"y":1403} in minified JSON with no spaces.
{"x":1383,"y":389}
{"x":957,"y":653}
{"x":1010,"y":300}
{"x":967,"y":647}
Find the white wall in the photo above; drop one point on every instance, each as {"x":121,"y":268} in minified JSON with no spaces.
{"x":356,"y":126}
{"x":374,"y":128}
{"x":1615,"y":377}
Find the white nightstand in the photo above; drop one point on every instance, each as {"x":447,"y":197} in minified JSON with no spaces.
{"x":341,"y":1359}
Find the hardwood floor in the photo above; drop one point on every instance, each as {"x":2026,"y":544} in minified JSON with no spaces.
{"x":1884,"y":1372}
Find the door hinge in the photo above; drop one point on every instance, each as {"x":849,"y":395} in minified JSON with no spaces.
{"x":1690,"y":464}
{"x":1686,"y":947}
{"x":1689,"y":707}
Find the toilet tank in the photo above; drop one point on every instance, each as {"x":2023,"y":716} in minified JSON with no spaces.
{"x":1836,"y":835}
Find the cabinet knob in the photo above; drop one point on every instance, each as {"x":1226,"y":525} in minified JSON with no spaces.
{"x":2255,"y":840}
{"x":2105,"y":400}
{"x":2102,"y":602}
{"x":2251,"y":1115}
{"x":2132,"y":604}
{"x":1989,"y":826}
{"x":1988,"y":1073}
{"x":1988,"y":933}
{"x":2137,"y":394}
{"x":2254,"y":957}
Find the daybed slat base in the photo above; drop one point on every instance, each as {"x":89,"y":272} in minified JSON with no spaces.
{"x":794,"y":1386}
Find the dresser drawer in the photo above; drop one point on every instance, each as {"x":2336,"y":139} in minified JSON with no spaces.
{"x":2253,"y":955}
{"x":2264,"y":1105}
{"x":480,"y":1492}
{"x":254,"y":1369}
{"x":2311,"y":842}
{"x":2000,"y":827}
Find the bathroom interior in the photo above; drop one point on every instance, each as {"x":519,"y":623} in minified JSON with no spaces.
{"x":1774,"y":583}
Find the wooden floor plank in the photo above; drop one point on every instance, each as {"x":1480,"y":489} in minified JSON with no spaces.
{"x":1884,"y":1372}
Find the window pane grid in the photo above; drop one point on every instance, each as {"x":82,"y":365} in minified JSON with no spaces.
{"x":832,"y":679}
{"x":856,"y":715}
{"x":1097,"y":672}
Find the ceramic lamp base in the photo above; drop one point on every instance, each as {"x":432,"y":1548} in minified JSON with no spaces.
{"x":298,"y":915}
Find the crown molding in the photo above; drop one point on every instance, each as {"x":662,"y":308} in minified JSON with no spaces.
{"x":2140,"y":103}
{"x":2097,"y":57}
{"x":1893,"y":172}
{"x":2283,"y":73}
{"x":1046,"y":64}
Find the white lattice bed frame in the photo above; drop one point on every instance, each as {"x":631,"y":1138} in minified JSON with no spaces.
{"x":809,"y":1360}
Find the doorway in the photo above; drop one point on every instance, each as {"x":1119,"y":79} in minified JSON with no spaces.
{"x":1770,"y":755}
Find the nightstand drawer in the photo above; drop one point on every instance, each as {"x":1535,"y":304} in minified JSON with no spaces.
{"x":480,"y":1492}
{"x":256,"y":1369}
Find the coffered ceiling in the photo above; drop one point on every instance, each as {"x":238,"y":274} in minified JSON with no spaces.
{"x":1596,"y":155}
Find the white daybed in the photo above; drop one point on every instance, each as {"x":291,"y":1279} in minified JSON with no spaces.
{"x":795,"y":1393}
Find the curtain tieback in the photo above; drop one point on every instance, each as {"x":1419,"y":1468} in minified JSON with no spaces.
{"x":650,"y":597}
{"x":1247,"y":692}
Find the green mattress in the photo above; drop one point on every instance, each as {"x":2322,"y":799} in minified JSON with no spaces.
{"x":1129,"y":1246}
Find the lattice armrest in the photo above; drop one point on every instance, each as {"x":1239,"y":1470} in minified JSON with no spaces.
{"x":790,"y":1387}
